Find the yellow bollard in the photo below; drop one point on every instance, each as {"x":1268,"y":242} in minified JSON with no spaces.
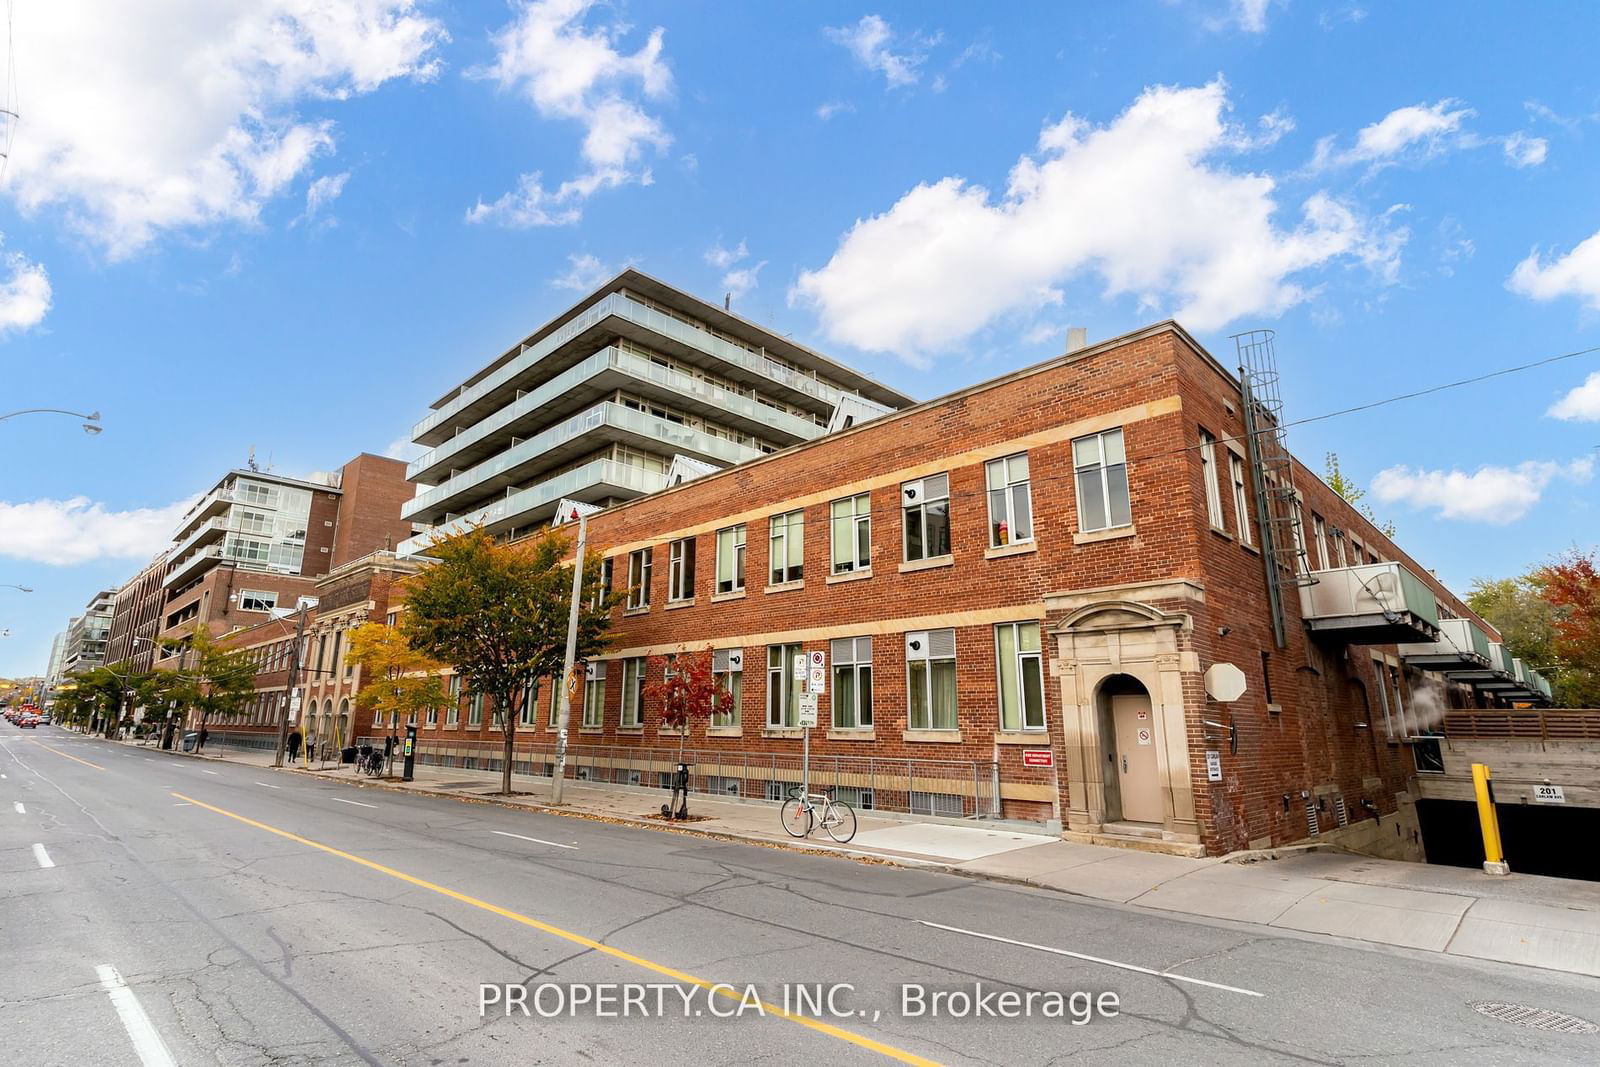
{"x":1494,"y":859}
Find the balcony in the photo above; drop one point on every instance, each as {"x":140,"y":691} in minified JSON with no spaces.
{"x":594,"y":378}
{"x":1370,"y":604}
{"x":211,"y":504}
{"x":618,"y":315}
{"x":191,"y":565}
{"x":568,"y":442}
{"x":597,"y":482}
{"x":1463,"y":646}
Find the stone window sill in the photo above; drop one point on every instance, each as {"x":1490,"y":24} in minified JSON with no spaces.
{"x":674,"y":605}
{"x":591,"y":729}
{"x":1037,"y":738}
{"x":943,"y":737}
{"x":724,"y":731}
{"x":1113,"y":534}
{"x":867,"y":734}
{"x":1220,"y":532}
{"x":785,"y":587}
{"x":1252,"y":549}
{"x":927,"y":564}
{"x":850,"y":576}
{"x":630,"y":729}
{"x":736,"y":594}
{"x":1020,"y":548}
{"x":637,"y":611}
{"x":783,"y":732}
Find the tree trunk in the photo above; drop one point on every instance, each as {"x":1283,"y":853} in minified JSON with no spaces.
{"x":511,"y":741}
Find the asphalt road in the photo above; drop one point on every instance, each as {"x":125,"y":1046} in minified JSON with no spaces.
{"x":191,"y":912}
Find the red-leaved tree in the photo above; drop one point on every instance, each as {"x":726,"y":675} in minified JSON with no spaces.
{"x":1572,"y":586}
{"x":688,"y":691}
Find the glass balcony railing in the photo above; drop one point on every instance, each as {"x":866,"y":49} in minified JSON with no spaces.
{"x":1373,"y":603}
{"x":658,"y":322}
{"x":526,"y":506}
{"x":1462,"y":646}
{"x":208,"y":505}
{"x":672,"y":437}
{"x":782,"y":424}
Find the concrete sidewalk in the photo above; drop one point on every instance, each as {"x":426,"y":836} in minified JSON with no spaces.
{"x":1552,"y":923}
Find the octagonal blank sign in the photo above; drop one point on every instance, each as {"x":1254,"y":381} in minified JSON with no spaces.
{"x":1224,"y":682}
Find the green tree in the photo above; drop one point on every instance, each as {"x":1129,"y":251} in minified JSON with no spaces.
{"x":1526,"y":619}
{"x":1571,"y":586}
{"x":497,"y":613}
{"x":1353,"y":495}
{"x":211,"y":679}
{"x":400,"y":682}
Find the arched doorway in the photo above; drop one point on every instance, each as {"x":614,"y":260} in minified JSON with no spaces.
{"x":325,"y":728}
{"x":342,"y":732}
{"x":1133,"y":779}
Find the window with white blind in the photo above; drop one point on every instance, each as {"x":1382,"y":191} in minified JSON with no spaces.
{"x":1208,"y":472}
{"x":680,"y":570}
{"x":931,"y":680}
{"x":639,"y":567}
{"x":786,"y":547}
{"x":1319,"y":538}
{"x":633,"y":691}
{"x":1010,"y":500}
{"x":925,"y":511}
{"x":783,"y":687}
{"x":730,"y":559}
{"x":1021,"y":676}
{"x":727,"y":668}
{"x":852,"y":683}
{"x":594,"y":694}
{"x":852,"y":533}
{"x":1241,"y":502}
{"x":1100,"y":469}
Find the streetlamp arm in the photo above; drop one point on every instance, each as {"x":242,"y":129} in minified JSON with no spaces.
{"x":93,"y":416}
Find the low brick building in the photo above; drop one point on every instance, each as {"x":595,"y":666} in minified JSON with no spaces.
{"x":1020,"y":589}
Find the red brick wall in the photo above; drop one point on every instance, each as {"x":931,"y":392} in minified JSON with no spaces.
{"x":369,"y":512}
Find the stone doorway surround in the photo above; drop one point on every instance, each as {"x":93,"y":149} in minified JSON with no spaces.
{"x":1141,"y":630}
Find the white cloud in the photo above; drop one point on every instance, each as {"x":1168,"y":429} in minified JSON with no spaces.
{"x":1525,"y":151}
{"x":1575,"y":274}
{"x":1582,"y":402}
{"x":78,"y":530}
{"x":584,"y":272}
{"x":1497,"y":495}
{"x":1418,"y":131}
{"x":574,"y":73}
{"x":1251,"y":15}
{"x":403,"y":448}
{"x":873,"y":44}
{"x":24,"y":294}
{"x":321,"y":193}
{"x":737,"y":283}
{"x":1144,"y":202}
{"x":723,"y":258}
{"x":832,"y":108}
{"x":136,"y":123}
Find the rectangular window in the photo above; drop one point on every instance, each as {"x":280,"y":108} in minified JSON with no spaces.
{"x":680,"y":570}
{"x":1208,"y":472}
{"x":1379,"y":668}
{"x":1010,"y":500}
{"x":1393,"y":679}
{"x":528,"y":715}
{"x":604,"y":592}
{"x":453,"y":713}
{"x":727,"y":667}
{"x":1355,"y":552}
{"x":1100,"y":468}
{"x":931,"y":680}
{"x":257,"y":600}
{"x":1319,"y":536}
{"x":639,"y":563}
{"x":787,"y":547}
{"x":1241,"y":502}
{"x":433,"y":717}
{"x":594,"y":694}
{"x":633,"y":691}
{"x":555,"y":703}
{"x":1021,"y":676}
{"x":852,"y":683}
{"x":475,"y":710}
{"x":730,"y":559}
{"x":783,"y":687}
{"x":925,"y":509}
{"x":852,"y":533}
{"x":1338,"y":548}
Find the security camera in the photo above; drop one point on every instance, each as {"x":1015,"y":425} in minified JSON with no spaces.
{"x":1224,"y":631}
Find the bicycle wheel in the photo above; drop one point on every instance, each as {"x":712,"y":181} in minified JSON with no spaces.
{"x":840,"y":823}
{"x":796,"y":818}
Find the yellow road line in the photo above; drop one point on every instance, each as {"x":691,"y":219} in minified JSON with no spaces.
{"x":74,"y":759}
{"x":578,"y":939}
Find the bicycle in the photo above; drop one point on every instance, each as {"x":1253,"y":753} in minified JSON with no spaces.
{"x":370,"y":763}
{"x":802,"y":813}
{"x":677,"y":807}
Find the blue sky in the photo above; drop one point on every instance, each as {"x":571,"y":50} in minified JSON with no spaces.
{"x":289,"y":226}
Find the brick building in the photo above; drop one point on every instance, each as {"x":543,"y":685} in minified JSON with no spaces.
{"x":137,"y":616}
{"x":1021,"y":590}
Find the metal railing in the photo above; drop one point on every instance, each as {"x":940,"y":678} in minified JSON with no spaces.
{"x":950,"y":788}
{"x":1525,"y":724}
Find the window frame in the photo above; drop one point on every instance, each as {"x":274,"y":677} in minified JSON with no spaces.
{"x":788,"y":704}
{"x":731,"y":545}
{"x":262,"y":596}
{"x":1017,"y":668}
{"x":1241,"y":497}
{"x":915,"y":515}
{"x":680,"y":570}
{"x":1007,"y":494}
{"x":926,"y":686}
{"x":858,"y":520}
{"x":641,"y":564}
{"x":1108,"y":474}
{"x":594,"y":695}
{"x":732,"y":676}
{"x":631,"y":715}
{"x":781,"y":531}
{"x":1208,"y":475}
{"x":857,"y":669}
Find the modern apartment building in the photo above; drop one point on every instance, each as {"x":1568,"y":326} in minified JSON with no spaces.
{"x":136,"y":617}
{"x":85,"y":646}
{"x":636,"y":387}
{"x":257,"y":541}
{"x":1075,"y":595}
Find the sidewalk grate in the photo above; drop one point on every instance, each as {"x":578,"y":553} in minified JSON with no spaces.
{"x":1553,"y":1021}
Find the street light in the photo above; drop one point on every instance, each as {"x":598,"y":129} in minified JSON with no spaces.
{"x":91,"y":421}
{"x":8,"y":585}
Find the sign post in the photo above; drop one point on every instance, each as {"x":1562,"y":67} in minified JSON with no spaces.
{"x":812,"y":669}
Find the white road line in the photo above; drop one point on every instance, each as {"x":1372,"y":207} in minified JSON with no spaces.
{"x":264,"y":785}
{"x":42,"y":856}
{"x":185,"y":804}
{"x":204,"y":771}
{"x":146,"y":1042}
{"x":1093,"y":959}
{"x":357,"y":803}
{"x":535,"y":840}
{"x":20,"y":809}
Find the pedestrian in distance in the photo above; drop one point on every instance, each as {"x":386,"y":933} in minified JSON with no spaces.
{"x":294,"y":745}
{"x":204,"y":733}
{"x":311,"y":747}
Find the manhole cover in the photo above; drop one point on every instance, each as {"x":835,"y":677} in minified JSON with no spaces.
{"x":1553,"y":1021}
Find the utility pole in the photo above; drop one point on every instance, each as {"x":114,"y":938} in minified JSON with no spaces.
{"x":570,"y":659}
{"x":306,"y":605}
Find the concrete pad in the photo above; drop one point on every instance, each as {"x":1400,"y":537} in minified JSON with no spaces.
{"x":1531,"y":934}
{"x":1120,"y":877}
{"x":948,"y":842}
{"x":1226,"y":891}
{"x":1374,"y":913}
{"x":1036,"y":860}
